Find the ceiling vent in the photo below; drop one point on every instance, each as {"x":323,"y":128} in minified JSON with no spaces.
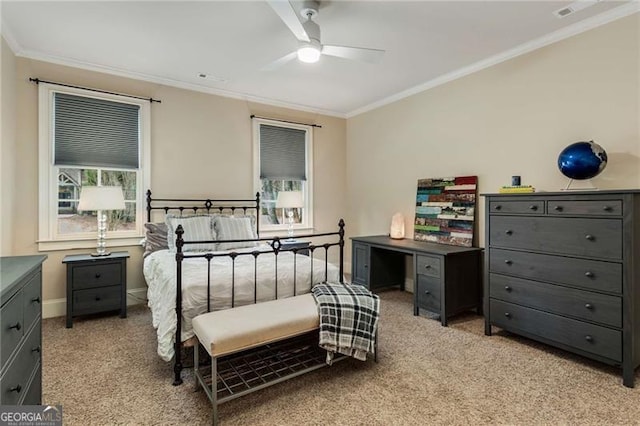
{"x":574,"y":7}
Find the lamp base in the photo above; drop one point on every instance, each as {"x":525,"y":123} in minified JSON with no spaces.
{"x":96,"y":254}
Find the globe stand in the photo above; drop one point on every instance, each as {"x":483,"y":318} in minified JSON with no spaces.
{"x":588,"y":187}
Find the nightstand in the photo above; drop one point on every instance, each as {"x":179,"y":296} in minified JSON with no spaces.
{"x":96,"y":284}
{"x":302,"y":246}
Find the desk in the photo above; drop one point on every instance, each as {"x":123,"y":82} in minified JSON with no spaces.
{"x":447,"y":278}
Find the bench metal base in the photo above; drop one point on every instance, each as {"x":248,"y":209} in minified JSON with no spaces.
{"x":248,"y":371}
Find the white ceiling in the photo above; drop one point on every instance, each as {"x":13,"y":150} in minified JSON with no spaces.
{"x":171,"y":42}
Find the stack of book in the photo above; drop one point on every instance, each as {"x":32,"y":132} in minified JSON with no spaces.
{"x":520,"y":189}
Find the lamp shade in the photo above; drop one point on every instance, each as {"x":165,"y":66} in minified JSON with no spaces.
{"x":289,"y":199}
{"x":101,"y":198}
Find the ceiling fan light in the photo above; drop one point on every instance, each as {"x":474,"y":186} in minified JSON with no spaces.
{"x":309,"y":54}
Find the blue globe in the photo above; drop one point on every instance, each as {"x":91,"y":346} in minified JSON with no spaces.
{"x":582,"y":160}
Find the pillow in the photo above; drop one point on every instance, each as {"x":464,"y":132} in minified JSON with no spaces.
{"x":155,"y":238}
{"x":235,"y":228}
{"x":196,"y":228}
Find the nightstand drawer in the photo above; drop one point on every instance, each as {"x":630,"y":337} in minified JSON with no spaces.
{"x":101,"y":275}
{"x":428,"y":293}
{"x":428,"y":266}
{"x":16,"y":378}
{"x":96,"y":300}
{"x":12,"y":323}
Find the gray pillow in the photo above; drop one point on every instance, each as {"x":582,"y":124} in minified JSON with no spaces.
{"x":196,"y":228}
{"x":235,"y":228}
{"x":155,"y":237}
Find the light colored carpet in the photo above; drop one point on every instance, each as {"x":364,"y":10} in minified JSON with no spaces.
{"x":105,"y":371}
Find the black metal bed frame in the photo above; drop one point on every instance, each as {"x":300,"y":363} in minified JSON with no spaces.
{"x":222,"y":205}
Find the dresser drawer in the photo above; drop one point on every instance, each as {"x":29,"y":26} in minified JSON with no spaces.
{"x":584,"y":305}
{"x":15,"y":381}
{"x":428,"y":293}
{"x":591,"y":338}
{"x":32,"y":299}
{"x":517,"y":207}
{"x":90,"y":276}
{"x":33,"y":395}
{"x":427,"y":265}
{"x":588,"y":274}
{"x":96,"y":300}
{"x":600,"y":238}
{"x":585,"y":208}
{"x":12,"y":323}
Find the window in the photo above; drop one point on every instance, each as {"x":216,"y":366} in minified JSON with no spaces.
{"x":282,"y":162}
{"x":87,"y":139}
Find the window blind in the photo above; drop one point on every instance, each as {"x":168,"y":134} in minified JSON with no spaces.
{"x":282,"y":153}
{"x":95,"y":132}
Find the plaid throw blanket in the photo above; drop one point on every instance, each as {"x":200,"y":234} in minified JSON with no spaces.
{"x":348,"y":319}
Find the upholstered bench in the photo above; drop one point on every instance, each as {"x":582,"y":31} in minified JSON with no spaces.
{"x":241,"y":329}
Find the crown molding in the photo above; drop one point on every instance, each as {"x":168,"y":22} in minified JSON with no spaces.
{"x":570,"y":31}
{"x":38,"y":56}
{"x":8,"y":36}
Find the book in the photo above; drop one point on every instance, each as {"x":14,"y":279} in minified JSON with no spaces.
{"x":521,"y":189}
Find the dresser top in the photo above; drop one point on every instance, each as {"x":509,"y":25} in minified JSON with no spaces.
{"x":15,"y":268}
{"x":566,"y":193}
{"x":409,"y":245}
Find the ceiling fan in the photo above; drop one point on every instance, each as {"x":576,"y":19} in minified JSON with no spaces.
{"x":308,"y":33}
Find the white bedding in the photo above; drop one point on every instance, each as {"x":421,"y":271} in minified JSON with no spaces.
{"x":160,"y":272}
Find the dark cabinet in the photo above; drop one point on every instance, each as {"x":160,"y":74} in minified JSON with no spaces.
{"x":21,"y":335}
{"x":360,"y":264}
{"x":564,"y":273}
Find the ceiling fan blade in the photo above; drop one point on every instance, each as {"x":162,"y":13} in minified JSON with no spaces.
{"x":280,"y":62}
{"x":289,"y":16}
{"x":372,"y":56}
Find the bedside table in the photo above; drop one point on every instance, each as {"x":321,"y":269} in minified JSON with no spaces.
{"x":96,"y":284}
{"x":302,"y":246}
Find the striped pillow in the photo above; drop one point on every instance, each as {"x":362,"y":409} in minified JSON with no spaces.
{"x":235,"y":228}
{"x":196,"y":228}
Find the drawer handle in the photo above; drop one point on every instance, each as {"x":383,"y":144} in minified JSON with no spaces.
{"x":17,"y":326}
{"x":508,"y":262}
{"x":588,"y":274}
{"x":588,"y":306}
{"x":98,"y":275}
{"x":366,"y":266}
{"x":16,"y":389}
{"x":36,"y":349}
{"x":508,"y":288}
{"x":508,"y":232}
{"x":35,"y":300}
{"x":97,"y":298}
{"x":533,"y":207}
{"x":588,"y":338}
{"x":427,"y":292}
{"x":557,"y":208}
{"x":607,"y":208}
{"x":498,"y":207}
{"x":589,"y":237}
{"x":507,"y":314}
{"x":427,"y":266}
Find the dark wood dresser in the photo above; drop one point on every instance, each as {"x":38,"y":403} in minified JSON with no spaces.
{"x":563,"y":268}
{"x":21,"y":337}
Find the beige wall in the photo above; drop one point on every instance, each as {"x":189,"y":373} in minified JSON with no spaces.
{"x":201,"y":146}
{"x":511,"y":119}
{"x":7,"y":147}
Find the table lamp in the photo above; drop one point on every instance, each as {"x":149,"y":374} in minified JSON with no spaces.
{"x":289,"y":200}
{"x":100,"y":199}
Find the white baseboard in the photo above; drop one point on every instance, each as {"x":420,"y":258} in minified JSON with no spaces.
{"x":408,"y":285}
{"x":58,"y":307}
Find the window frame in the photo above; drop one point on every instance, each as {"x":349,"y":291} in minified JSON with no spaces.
{"x":48,"y":237}
{"x":307,"y":185}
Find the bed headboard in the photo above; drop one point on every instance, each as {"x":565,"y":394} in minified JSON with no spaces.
{"x":208,"y":205}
